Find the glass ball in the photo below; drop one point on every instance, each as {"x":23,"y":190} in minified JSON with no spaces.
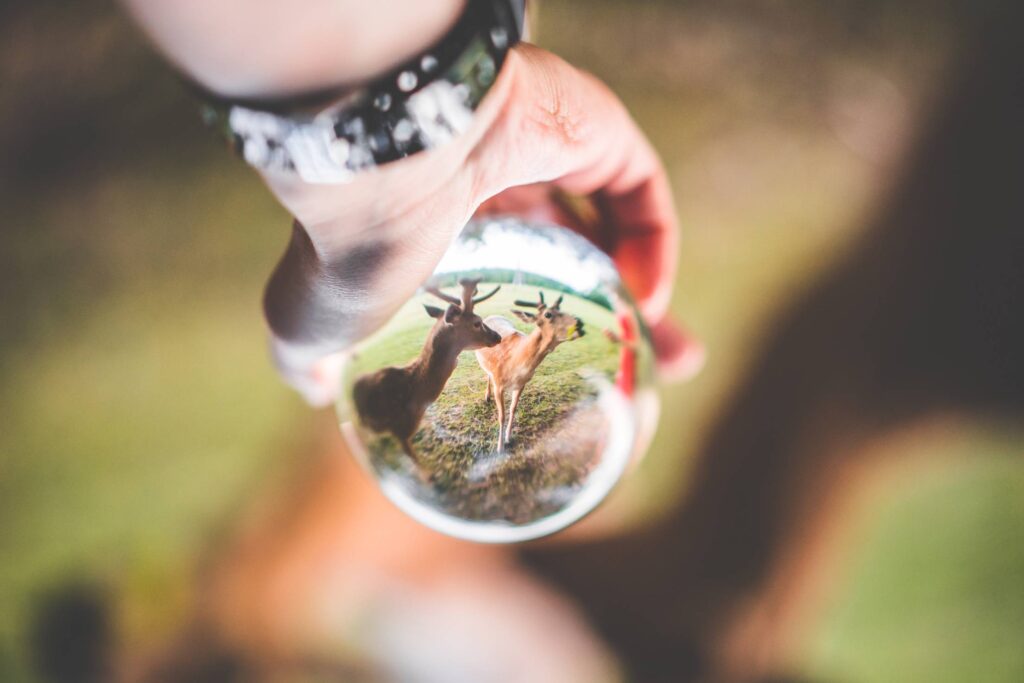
{"x":506,"y":398}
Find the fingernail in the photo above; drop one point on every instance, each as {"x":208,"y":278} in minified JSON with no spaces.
{"x":684,"y":366}
{"x":679,"y":356}
{"x":317,"y":382}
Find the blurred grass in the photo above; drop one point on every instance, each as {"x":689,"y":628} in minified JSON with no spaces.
{"x":935,"y":589}
{"x":139,"y":406}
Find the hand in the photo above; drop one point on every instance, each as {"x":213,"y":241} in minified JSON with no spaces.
{"x":359,"y":251}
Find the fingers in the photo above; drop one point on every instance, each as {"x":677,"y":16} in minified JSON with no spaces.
{"x":335,"y":285}
{"x":317,"y":380}
{"x":639,"y":230}
{"x":305,"y":320}
{"x":679,"y":355}
{"x":537,"y":202}
{"x":319,"y":301}
{"x":565,"y":127}
{"x":360,"y":260}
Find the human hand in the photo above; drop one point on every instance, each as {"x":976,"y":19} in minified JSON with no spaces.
{"x":359,"y":251}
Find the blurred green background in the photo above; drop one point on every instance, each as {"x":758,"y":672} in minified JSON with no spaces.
{"x":138,"y":409}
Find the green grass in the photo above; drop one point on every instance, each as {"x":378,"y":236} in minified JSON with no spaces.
{"x":936,"y":590}
{"x":139,"y":406}
{"x":550,"y":452}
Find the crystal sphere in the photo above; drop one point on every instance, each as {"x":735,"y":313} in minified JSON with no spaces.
{"x":508,"y":396}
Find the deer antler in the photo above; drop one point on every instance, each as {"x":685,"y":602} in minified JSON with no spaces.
{"x":533,"y":304}
{"x":468,"y":290}
{"x":558,"y":302}
{"x":442,"y":296}
{"x":468,"y":299}
{"x":488,"y":295}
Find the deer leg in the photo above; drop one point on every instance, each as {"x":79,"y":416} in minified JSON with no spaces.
{"x":423,"y":475}
{"x":499,"y":402}
{"x":407,"y":447}
{"x":487,"y":394}
{"x":512,"y":414}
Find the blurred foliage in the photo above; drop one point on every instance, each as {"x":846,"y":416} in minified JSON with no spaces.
{"x":934,"y":589}
{"x":139,"y":407}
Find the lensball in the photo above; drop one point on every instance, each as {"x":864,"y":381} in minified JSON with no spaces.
{"x":509,"y":395}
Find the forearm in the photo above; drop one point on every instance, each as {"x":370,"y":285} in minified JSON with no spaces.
{"x":266,"y":48}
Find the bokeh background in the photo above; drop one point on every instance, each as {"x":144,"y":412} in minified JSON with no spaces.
{"x":839,"y":496}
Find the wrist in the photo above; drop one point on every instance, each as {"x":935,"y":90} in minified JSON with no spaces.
{"x":374,"y":200}
{"x":331,"y":136}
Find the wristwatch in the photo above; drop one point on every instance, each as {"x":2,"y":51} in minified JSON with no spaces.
{"x":327,"y":137}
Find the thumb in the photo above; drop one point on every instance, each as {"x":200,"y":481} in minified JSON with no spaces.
{"x":679,"y":355}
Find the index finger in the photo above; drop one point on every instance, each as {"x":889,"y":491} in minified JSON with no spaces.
{"x":565,"y":127}
{"x":638,"y":225}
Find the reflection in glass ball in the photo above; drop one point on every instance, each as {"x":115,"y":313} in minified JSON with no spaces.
{"x":504,"y":401}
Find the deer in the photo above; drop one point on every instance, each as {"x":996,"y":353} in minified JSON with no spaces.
{"x":394,"y":399}
{"x":510,"y":365}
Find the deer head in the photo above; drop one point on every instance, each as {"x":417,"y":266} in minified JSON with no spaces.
{"x":465,"y":328}
{"x":551,"y":320}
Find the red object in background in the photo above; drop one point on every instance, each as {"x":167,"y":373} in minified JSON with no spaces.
{"x":625,"y":379}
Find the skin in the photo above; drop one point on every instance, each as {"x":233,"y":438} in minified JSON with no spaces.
{"x":543,"y":125}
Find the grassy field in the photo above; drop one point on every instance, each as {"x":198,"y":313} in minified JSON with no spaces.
{"x":558,"y":432}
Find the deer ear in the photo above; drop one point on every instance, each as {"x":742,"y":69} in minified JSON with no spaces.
{"x":524,"y":316}
{"x":452,"y":313}
{"x":433,"y":311}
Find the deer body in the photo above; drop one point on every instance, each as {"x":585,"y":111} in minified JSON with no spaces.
{"x":511,"y":364}
{"x":394,"y":399}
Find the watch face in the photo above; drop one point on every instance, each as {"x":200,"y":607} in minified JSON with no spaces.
{"x":506,"y":398}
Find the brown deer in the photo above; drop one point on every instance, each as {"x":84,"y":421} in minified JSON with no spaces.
{"x":394,"y":399}
{"x":511,"y":364}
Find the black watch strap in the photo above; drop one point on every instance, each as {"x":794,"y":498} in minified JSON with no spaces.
{"x":420,"y":105}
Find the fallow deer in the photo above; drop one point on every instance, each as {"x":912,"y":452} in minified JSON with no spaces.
{"x":511,"y":364}
{"x":394,"y":399}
